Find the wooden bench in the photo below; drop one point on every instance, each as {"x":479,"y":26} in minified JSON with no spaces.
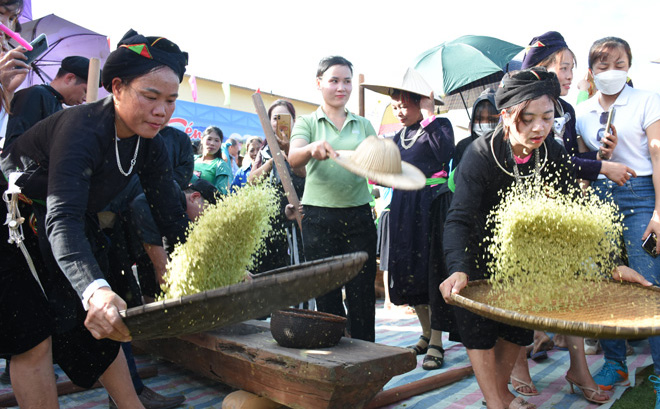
{"x":245,"y":356}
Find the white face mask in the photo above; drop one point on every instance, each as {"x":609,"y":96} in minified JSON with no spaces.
{"x":610,"y":82}
{"x":481,"y":129}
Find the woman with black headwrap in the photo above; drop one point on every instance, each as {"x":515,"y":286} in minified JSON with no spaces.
{"x":549,"y":50}
{"x":517,"y":149}
{"x":73,"y":163}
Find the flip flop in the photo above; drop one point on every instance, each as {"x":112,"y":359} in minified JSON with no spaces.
{"x":539,"y":356}
{"x":520,"y":403}
{"x":523,"y":384}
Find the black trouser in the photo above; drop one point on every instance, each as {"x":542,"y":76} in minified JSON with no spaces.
{"x":331,"y":232}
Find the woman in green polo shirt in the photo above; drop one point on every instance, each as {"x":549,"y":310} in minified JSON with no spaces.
{"x":338,"y":217}
{"x":209,"y":164}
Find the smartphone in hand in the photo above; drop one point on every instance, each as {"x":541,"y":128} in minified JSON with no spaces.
{"x":283,"y":126}
{"x":608,"y":126}
{"x":650,"y":244}
{"x":39,"y":46}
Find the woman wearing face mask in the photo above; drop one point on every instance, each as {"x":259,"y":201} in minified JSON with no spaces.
{"x":485,"y":116}
{"x":636,"y":133}
{"x":551,"y":51}
{"x":483,"y":121}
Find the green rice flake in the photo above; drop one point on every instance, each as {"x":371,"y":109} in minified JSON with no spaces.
{"x":550,"y":250}
{"x":221,"y":245}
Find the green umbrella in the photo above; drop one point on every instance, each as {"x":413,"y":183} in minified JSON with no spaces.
{"x":458,"y":65}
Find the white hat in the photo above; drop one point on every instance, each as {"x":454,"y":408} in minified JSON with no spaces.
{"x":379,"y":159}
{"x":412,"y":82}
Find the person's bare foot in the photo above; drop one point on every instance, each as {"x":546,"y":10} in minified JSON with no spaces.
{"x":521,"y":380}
{"x":581,"y":380}
{"x":542,"y":342}
{"x":560,"y":341}
{"x":586,"y":384}
{"x":523,"y":387}
{"x":520,"y":403}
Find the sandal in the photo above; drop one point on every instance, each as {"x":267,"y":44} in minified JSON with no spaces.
{"x":419,"y":350}
{"x":431,"y":362}
{"x":588,"y":393}
{"x":542,"y":343}
{"x":538,"y":356}
{"x":520,"y":403}
{"x":523,"y":384}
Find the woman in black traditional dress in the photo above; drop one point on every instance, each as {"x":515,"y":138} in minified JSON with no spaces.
{"x":516,"y":149}
{"x":73,"y":164}
{"x":426,"y":142}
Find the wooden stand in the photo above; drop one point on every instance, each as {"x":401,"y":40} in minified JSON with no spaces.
{"x":245,"y":356}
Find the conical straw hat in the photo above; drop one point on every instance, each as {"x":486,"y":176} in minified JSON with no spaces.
{"x":412,"y":82}
{"x":379,"y":159}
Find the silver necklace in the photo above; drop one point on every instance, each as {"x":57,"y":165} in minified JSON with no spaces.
{"x":407,"y":143}
{"x":137,"y":147}
{"x":537,"y":166}
{"x":516,"y":175}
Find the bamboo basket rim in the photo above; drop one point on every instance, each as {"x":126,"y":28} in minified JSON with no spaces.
{"x":576,"y":324}
{"x":243,"y":301}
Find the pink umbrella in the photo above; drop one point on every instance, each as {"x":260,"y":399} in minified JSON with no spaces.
{"x":64,"y":39}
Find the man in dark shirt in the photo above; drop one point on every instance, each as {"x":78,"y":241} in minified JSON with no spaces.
{"x":31,"y":105}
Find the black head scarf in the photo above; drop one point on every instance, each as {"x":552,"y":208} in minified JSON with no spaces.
{"x":520,"y":86}
{"x":136,"y":55}
{"x":542,"y":47}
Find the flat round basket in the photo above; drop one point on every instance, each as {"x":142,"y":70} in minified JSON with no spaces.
{"x":617,"y":310}
{"x":236,"y":303}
